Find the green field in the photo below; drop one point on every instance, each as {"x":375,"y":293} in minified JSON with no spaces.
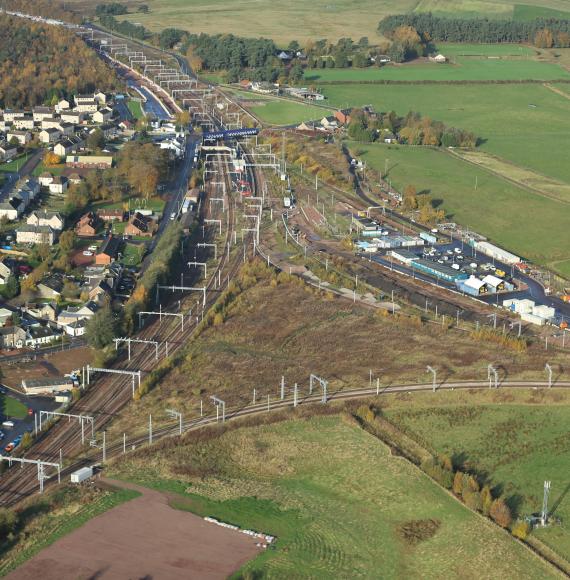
{"x":10,"y":407}
{"x":132,"y":254}
{"x":528,"y":125}
{"x":320,"y":19}
{"x":336,"y":499}
{"x":490,"y":209}
{"x":136,"y":109}
{"x":519,"y":443}
{"x":282,"y":112}
{"x":15,"y":164}
{"x":461,"y":69}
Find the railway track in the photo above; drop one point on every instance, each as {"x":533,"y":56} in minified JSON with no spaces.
{"x":107,"y":395}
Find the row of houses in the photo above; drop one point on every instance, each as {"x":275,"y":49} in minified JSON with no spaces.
{"x":26,"y":191}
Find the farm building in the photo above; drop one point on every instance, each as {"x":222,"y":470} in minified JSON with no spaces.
{"x":438,"y":271}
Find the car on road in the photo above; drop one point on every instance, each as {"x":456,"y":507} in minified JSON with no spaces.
{"x":30,"y":411}
{"x":8,"y":424}
{"x":173,"y":215}
{"x":9,"y":447}
{"x":87,"y":253}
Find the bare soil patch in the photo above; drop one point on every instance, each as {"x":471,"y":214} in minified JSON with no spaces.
{"x":143,"y":538}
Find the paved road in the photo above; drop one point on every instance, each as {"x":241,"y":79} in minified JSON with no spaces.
{"x":21,"y":426}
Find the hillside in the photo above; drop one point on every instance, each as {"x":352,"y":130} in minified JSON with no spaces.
{"x":38,"y":62}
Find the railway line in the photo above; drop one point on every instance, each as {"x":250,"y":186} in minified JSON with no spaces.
{"x":106,"y":396}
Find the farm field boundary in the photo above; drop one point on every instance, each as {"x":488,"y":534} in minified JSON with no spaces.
{"x":535,"y":182}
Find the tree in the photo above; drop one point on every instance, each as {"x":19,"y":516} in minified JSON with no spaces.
{"x":8,"y":521}
{"x":143,"y":8}
{"x":500,"y":513}
{"x":67,"y":240}
{"x":363,"y":42}
{"x":458,"y":483}
{"x":51,"y":159}
{"x":521,"y":530}
{"x":544,"y":39}
{"x":486,"y":499}
{"x":296,"y":74}
{"x":360,"y":60}
{"x":101,"y":328}
{"x":294,"y":46}
{"x":96,"y":139}
{"x":472,"y":499}
{"x":11,"y":288}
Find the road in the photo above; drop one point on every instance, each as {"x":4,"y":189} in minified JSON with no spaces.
{"x":11,"y":178}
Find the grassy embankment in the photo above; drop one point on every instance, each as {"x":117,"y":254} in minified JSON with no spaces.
{"x":336,"y":498}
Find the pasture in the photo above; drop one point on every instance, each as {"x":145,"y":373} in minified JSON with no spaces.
{"x":511,"y":216}
{"x":283,"y":112}
{"x":311,"y":20}
{"x":461,"y":68}
{"x":519,"y":440}
{"x":527,"y":124}
{"x":336,"y":499}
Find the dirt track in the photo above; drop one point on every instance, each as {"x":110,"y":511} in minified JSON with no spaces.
{"x":143,"y":538}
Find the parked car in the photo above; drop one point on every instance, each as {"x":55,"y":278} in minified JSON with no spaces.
{"x":9,"y":447}
{"x":8,"y":424}
{"x":87,"y":253}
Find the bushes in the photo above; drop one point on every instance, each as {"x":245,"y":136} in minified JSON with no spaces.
{"x":507,"y":341}
{"x":500,"y":513}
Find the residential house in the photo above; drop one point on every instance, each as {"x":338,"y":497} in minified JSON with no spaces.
{"x":24,"y":123}
{"x":7,"y":152}
{"x":38,"y":335}
{"x":11,"y":209}
{"x":51,"y":287}
{"x":103,"y":115}
{"x":75,"y":178}
{"x":50,"y":123}
{"x":62,"y":105}
{"x":76,"y":328}
{"x":109,"y":130}
{"x":11,"y":114}
{"x":84,"y":98}
{"x":109,"y":251}
{"x":87,"y":107}
{"x":58,"y":185}
{"x":111,"y":215}
{"x":329,"y":123}
{"x":46,"y":218}
{"x":87,"y":225}
{"x":43,"y":311}
{"x":94,"y":161}
{"x":5,"y":273}
{"x":74,"y":313}
{"x":140,"y":225}
{"x":101,"y":292}
{"x":30,"y":234}
{"x":45,"y":179}
{"x":5,"y":126}
{"x":67,"y":129}
{"x":75,"y":117}
{"x":22,"y":137}
{"x":342,"y":116}
{"x":12,"y":337}
{"x":49,"y":135}
{"x":284,"y":56}
{"x":41,"y":113}
{"x":100,"y":97}
{"x":5,"y":316}
{"x":65,"y":147}
{"x":28,"y":189}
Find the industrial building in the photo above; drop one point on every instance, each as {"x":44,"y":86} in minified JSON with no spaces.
{"x":47,"y":386}
{"x":472,"y":286}
{"x":497,"y":253}
{"x":404,"y":256}
{"x":438,"y":271}
{"x":529,"y":311}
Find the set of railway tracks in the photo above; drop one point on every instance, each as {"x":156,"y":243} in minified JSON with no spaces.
{"x":107,"y":395}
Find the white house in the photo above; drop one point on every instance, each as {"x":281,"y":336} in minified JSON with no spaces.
{"x":58,"y":185}
{"x":75,"y":117}
{"x":49,"y":135}
{"x":46,"y":218}
{"x":45,"y":179}
{"x":67,"y":129}
{"x":7,"y":152}
{"x":28,"y":234}
{"x":41,"y":113}
{"x":87,"y":107}
{"x":23,"y":123}
{"x":103,"y":115}
{"x":62,"y":105}
{"x":22,"y":137}
{"x":5,"y":273}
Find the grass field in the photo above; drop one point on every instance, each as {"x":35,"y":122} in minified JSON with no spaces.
{"x":321,"y":19}
{"x":10,"y":407}
{"x":519,"y":441}
{"x":528,"y":124}
{"x":281,"y":112}
{"x":462,"y":69}
{"x":336,"y":499}
{"x":15,"y":164}
{"x":136,"y":109}
{"x":46,"y":520}
{"x":132,"y":254}
{"x":489,"y":209}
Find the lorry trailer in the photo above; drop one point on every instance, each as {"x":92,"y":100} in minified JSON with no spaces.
{"x":81,"y":474}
